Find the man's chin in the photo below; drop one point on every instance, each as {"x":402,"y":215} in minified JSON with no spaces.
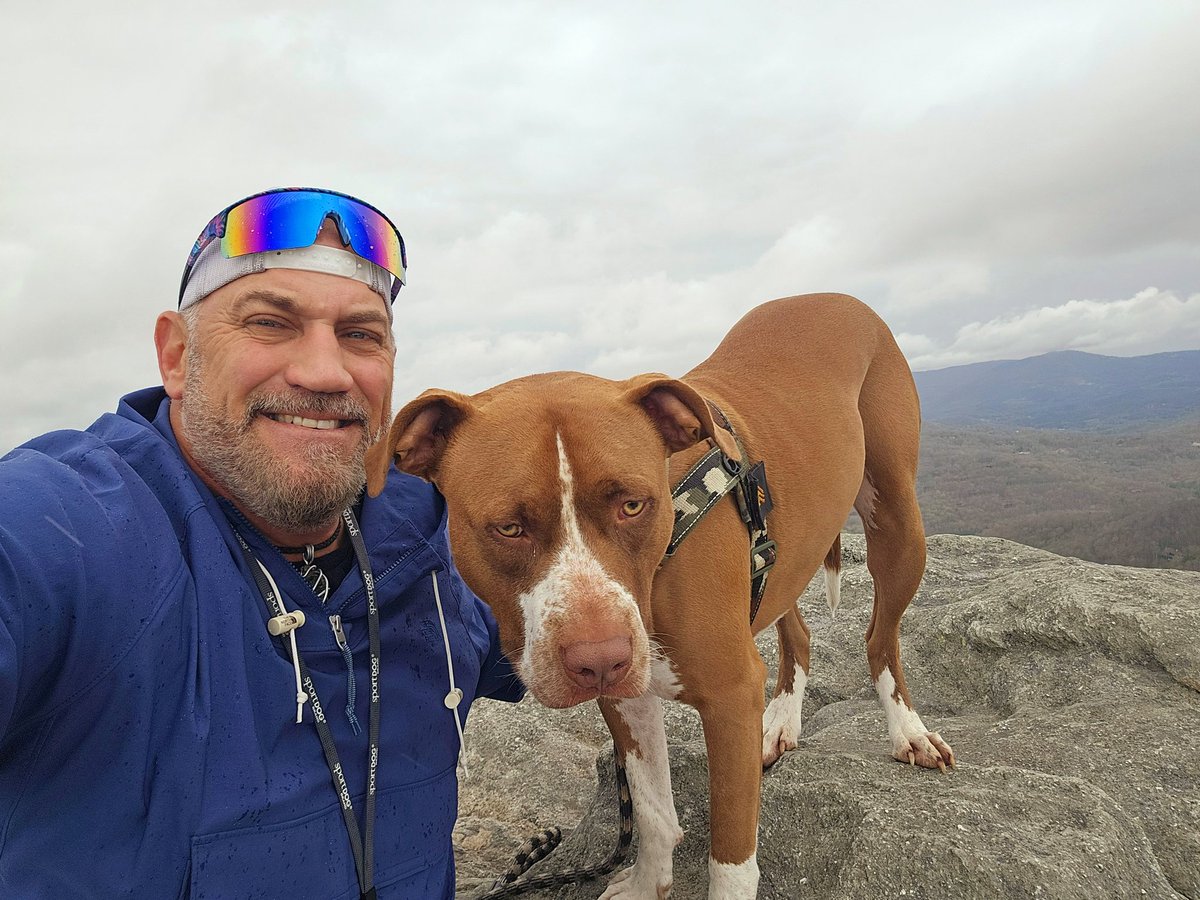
{"x":296,"y":483}
{"x":296,"y":504}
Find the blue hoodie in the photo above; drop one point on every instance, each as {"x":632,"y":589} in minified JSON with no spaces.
{"x":148,"y":743}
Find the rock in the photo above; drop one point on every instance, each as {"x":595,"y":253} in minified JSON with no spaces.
{"x":1069,"y":690}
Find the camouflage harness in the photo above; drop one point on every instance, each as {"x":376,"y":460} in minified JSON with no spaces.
{"x":714,"y":476}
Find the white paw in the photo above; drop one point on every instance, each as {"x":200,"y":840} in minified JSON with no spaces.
{"x":911,"y":741}
{"x":733,"y":881}
{"x":926,"y":749}
{"x":781,"y":728}
{"x":781,"y":721}
{"x":637,"y":883}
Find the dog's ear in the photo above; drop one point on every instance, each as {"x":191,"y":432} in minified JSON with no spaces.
{"x":417,"y":437}
{"x":679,"y":412}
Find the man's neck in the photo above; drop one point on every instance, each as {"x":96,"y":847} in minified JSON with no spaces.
{"x":292,"y":539}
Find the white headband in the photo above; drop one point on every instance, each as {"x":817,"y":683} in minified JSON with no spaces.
{"x":214,"y":270}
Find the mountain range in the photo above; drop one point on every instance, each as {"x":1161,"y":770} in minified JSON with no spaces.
{"x":1065,"y":390}
{"x":1096,"y":457}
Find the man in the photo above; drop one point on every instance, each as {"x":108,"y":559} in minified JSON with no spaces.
{"x":223,"y":671}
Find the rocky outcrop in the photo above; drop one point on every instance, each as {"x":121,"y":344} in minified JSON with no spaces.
{"x":1069,"y":690}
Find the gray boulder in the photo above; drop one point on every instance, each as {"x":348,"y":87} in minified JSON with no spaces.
{"x":1069,"y":690}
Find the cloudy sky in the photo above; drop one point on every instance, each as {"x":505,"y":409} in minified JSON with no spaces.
{"x":608,"y":187}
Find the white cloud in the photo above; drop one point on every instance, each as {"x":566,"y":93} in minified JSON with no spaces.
{"x":603,"y":187}
{"x":1151,"y":321}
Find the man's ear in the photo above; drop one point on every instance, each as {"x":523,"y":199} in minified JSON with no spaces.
{"x":418,"y":437}
{"x":170,"y":342}
{"x":679,"y":412}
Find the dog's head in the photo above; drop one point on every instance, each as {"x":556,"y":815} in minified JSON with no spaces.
{"x":560,"y":512}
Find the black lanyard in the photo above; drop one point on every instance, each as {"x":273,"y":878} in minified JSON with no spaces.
{"x":363,"y":850}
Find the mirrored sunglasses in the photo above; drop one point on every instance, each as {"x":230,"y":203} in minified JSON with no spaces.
{"x":290,"y":218}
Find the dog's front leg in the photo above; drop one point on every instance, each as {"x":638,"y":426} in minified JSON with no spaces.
{"x":732,"y":717}
{"x":641,"y":741}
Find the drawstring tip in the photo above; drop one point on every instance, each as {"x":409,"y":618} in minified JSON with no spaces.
{"x":455,"y":696}
{"x":354,"y":726}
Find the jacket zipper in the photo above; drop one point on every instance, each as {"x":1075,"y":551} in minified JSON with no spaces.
{"x":339,"y":635}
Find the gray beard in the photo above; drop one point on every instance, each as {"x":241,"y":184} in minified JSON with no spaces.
{"x":291,"y":498}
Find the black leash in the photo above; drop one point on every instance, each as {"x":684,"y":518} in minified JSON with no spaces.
{"x":542,"y":844}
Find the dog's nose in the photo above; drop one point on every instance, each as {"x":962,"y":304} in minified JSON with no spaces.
{"x":596,"y":665}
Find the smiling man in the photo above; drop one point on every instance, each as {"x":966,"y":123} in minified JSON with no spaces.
{"x":224,"y":672}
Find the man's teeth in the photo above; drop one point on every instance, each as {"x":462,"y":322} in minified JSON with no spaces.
{"x":307,"y":423}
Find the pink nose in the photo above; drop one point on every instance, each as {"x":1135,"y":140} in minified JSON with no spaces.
{"x":596,"y":665}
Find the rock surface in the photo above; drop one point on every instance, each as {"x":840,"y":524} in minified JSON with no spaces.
{"x":1069,"y":690}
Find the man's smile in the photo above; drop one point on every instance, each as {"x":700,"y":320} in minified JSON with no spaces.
{"x":321,"y":424}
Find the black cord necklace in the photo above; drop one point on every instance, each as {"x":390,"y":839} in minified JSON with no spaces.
{"x":292,"y":551}
{"x":313,"y":574}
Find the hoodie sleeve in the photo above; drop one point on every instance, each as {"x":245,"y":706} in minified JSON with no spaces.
{"x":79,"y":570}
{"x":496,"y":676}
{"x":41,"y":584}
{"x":9,"y":667}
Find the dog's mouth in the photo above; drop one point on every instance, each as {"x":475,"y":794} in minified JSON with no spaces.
{"x":563,"y":696}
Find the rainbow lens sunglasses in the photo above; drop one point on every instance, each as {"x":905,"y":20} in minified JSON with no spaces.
{"x":290,"y":218}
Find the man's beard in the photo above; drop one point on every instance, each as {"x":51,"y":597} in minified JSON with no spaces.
{"x":290,"y":497}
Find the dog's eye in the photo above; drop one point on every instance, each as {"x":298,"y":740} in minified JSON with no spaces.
{"x":510,"y":530}
{"x":631,"y":508}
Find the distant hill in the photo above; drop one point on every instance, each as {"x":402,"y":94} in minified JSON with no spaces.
{"x":1067,"y":389}
{"x":1083,"y":455}
{"x":1131,"y":498}
{"x":1118,"y":497}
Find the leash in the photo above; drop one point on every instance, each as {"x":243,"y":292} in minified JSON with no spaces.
{"x":542,"y":844}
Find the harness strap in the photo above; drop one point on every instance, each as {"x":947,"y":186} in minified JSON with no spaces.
{"x":763,"y":553}
{"x":714,"y":476}
{"x":710,"y":479}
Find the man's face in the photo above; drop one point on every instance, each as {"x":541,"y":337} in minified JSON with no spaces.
{"x":288,"y":382}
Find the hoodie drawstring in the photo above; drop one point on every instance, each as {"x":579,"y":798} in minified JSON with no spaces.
{"x":287,"y":623}
{"x":454,"y":698}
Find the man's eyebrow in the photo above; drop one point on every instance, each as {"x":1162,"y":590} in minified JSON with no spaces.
{"x":365,"y":317}
{"x":280,"y":302}
{"x":287,"y":304}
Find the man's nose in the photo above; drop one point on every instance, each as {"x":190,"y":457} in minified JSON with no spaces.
{"x":318,"y":363}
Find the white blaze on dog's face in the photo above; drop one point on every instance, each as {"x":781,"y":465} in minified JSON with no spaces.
{"x":582,"y":625}
{"x":560,"y":512}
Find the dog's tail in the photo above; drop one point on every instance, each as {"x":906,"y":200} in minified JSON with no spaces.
{"x":833,"y":576}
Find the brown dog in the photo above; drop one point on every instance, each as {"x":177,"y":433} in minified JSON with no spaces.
{"x":559,"y":494}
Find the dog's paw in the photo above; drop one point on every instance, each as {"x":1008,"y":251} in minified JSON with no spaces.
{"x":638,"y":883}
{"x":781,"y":727}
{"x":926,"y":749}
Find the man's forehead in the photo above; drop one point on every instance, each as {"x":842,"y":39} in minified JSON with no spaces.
{"x":298,"y":293}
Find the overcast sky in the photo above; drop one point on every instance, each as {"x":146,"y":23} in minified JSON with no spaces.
{"x":608,"y":187}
